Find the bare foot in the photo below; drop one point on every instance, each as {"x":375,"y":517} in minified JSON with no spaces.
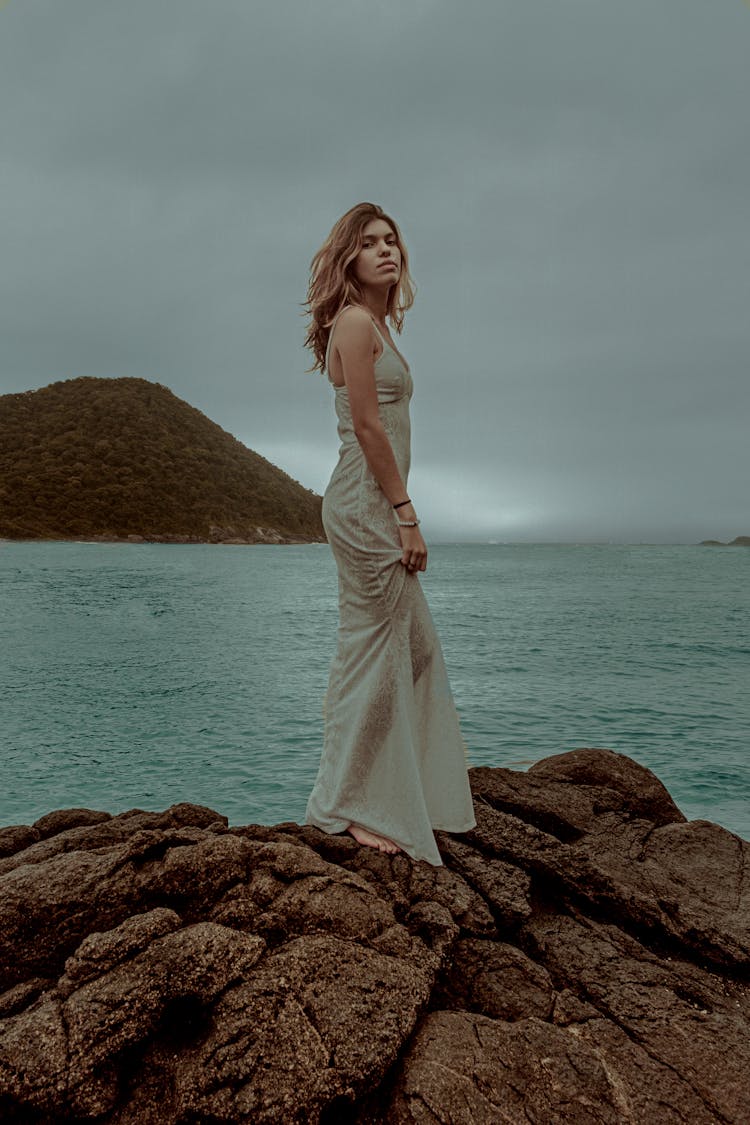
{"x":372,"y":839}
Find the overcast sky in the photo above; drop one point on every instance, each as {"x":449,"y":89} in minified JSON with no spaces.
{"x":571,"y":178}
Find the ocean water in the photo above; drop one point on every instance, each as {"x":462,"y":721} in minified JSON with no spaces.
{"x":140,"y":675}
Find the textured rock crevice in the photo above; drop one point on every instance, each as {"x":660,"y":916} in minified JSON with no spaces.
{"x":582,"y":956}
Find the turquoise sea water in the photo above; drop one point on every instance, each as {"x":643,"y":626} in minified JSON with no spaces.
{"x":141,"y":675}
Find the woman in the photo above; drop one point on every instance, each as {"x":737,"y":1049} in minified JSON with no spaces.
{"x":393,"y":766}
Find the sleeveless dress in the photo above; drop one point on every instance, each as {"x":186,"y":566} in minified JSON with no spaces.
{"x":393,"y":760}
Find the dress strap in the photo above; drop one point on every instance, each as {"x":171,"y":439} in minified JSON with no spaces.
{"x":380,"y":334}
{"x":387,"y":344}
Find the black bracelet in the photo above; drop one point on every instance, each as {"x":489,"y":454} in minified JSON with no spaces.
{"x":402,"y":504}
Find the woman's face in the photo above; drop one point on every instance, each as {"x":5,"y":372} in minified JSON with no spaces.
{"x":379,"y":260}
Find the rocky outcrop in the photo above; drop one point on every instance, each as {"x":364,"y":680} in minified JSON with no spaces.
{"x":582,"y":956}
{"x":738,"y":541}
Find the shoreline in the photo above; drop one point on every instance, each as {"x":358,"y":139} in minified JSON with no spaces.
{"x":273,"y":539}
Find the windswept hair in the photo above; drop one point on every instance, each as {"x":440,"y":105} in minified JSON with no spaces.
{"x":333,"y":284}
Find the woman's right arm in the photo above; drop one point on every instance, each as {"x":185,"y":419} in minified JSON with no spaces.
{"x":354,"y":345}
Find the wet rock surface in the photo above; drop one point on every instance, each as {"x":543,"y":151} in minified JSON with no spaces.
{"x":582,"y":956}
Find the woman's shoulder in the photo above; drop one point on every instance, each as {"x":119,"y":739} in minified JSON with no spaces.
{"x":353,"y":325}
{"x":354,"y":315}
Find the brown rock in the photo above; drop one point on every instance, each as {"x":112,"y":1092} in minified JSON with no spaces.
{"x":582,"y":956}
{"x":16,"y":837}
{"x":496,"y":979}
{"x":69,"y":830}
{"x":612,"y":781}
{"x":53,"y":823}
{"x":674,"y":1011}
{"x":467,"y":1069}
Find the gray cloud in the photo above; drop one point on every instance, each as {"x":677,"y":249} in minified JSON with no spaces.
{"x":571,"y":179}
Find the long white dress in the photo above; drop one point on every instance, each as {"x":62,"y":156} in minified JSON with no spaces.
{"x":393,"y":760}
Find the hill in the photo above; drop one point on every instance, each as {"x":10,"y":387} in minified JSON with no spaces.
{"x":738,"y":541}
{"x":125,"y":457}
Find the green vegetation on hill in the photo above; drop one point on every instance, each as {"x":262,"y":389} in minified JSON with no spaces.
{"x":125,"y":456}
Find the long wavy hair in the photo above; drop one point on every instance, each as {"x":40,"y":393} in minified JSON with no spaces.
{"x":333,"y":284}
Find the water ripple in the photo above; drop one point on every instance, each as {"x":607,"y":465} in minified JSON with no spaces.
{"x":141,"y":675}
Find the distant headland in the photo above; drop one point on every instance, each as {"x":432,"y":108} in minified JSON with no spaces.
{"x":126,"y":460}
{"x":739,"y":541}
